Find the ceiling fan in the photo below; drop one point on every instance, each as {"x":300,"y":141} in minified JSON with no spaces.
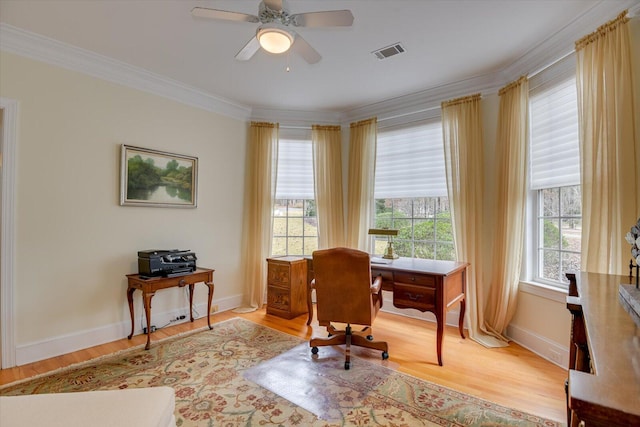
{"x":275,"y":33}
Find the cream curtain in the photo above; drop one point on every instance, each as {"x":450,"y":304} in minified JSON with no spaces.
{"x":362,"y":158}
{"x":609,"y":178}
{"x":260,"y":185}
{"x":327,"y":171}
{"x":463,"y":152}
{"x":506,"y":258}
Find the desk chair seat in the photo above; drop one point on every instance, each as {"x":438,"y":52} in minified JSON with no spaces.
{"x":346,"y":294}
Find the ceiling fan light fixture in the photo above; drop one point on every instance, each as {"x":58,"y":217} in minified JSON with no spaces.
{"x":274,"y":40}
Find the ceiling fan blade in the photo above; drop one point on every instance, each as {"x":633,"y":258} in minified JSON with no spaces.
{"x":248,"y":50}
{"x":203,"y":12}
{"x":329,"y":18}
{"x":304,"y":49}
{"x":273,"y":4}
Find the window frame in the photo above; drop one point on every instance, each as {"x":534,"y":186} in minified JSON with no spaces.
{"x":531,"y":279}
{"x":288,"y":237}
{"x":303,"y":135}
{"x":538,"y":218}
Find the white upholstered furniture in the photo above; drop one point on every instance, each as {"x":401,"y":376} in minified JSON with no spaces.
{"x":142,"y":407}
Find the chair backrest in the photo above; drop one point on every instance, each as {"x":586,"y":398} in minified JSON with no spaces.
{"x":343,"y":286}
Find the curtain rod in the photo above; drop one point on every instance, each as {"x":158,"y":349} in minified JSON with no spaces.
{"x":546,"y":67}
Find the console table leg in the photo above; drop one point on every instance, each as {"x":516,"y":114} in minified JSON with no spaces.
{"x":210,"y":285}
{"x":463,"y":305}
{"x":146,"y":297}
{"x":130,"y":301}
{"x":191,"y":301}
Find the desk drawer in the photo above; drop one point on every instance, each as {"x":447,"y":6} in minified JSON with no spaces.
{"x":387,"y":278}
{"x":278,"y":298}
{"x":421,"y":298}
{"x":414,"y":279}
{"x":279,"y":274}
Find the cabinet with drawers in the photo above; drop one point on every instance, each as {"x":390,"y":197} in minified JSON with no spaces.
{"x":286,"y":286}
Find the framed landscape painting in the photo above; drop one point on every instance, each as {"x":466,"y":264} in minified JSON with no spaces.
{"x":156,"y":178}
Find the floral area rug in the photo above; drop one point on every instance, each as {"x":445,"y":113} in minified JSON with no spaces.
{"x":237,"y":374}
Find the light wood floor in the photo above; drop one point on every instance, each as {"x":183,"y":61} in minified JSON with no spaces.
{"x":510,"y":376}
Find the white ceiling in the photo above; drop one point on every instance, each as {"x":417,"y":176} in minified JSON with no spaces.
{"x":446,"y":41}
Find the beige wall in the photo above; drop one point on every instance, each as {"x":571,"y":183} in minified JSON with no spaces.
{"x":74,"y":242}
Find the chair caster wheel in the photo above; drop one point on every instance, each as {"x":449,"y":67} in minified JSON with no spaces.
{"x":347,"y":365}
{"x":314,"y":350}
{"x":370,"y":337}
{"x":385,"y":355}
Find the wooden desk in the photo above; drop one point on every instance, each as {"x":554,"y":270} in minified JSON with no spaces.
{"x":151,"y":285}
{"x":604,"y":359}
{"x":425,"y":285}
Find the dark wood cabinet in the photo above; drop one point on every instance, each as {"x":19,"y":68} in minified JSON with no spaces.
{"x":603,"y":388}
{"x":286,"y":286}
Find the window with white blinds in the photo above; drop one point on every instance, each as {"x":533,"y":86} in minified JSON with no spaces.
{"x":410,"y":162}
{"x":555,"y":155}
{"x":555,"y":212}
{"x":295,"y":223}
{"x":295,"y":170}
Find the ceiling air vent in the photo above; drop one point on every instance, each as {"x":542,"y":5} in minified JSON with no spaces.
{"x":388,"y":51}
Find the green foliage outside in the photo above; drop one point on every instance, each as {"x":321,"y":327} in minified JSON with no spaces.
{"x":431,"y":239}
{"x":552,"y":236}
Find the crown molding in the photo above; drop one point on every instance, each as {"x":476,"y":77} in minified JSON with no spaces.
{"x":562,"y":43}
{"x":34,"y":46}
{"x":424,"y":104}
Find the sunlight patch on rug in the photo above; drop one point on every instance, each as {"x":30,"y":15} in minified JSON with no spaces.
{"x":372,"y":394}
{"x":319,"y":384}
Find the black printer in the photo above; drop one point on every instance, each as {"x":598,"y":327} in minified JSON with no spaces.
{"x":166,"y":263}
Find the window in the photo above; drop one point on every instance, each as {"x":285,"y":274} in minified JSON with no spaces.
{"x":295,"y":223}
{"x":555,"y":178}
{"x":559,"y":227}
{"x":411,"y":192}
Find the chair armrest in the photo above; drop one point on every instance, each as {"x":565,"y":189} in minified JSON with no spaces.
{"x":376,"y":286}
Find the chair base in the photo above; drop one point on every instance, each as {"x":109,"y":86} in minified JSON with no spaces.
{"x":348,"y":337}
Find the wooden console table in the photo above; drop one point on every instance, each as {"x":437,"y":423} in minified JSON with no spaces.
{"x":149,"y":287}
{"x":604,"y":358}
{"x":421,"y":284}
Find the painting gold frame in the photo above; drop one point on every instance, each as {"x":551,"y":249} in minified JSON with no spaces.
{"x":157,"y":178}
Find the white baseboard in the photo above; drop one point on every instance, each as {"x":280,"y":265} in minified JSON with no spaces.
{"x":555,"y":353}
{"x":56,"y":346}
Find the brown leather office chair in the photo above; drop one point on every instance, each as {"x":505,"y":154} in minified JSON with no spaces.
{"x":345,"y":293}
